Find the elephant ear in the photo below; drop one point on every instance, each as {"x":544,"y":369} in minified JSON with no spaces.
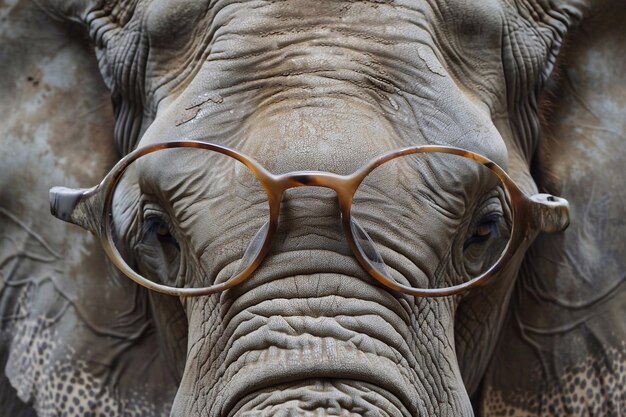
{"x":75,"y":337}
{"x":563,"y":351}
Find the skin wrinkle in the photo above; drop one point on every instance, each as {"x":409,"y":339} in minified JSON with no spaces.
{"x":405,"y":352}
{"x":245,"y":296}
{"x":534,"y":288}
{"x":240,"y":323}
{"x":556,"y":299}
{"x":196,"y":219}
{"x":345,"y":404}
{"x":499,"y":299}
{"x":531,"y":125}
{"x":133,"y":52}
{"x":283,"y":343}
{"x":367,"y":357}
{"x":388,"y":241}
{"x":175,"y":325}
{"x":463,"y":58}
{"x":470,"y":317}
{"x":174,"y":75}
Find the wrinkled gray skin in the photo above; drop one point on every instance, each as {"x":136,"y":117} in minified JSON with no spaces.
{"x":325,"y":86}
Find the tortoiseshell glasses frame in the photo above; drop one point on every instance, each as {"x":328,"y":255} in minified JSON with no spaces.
{"x":91,"y":209}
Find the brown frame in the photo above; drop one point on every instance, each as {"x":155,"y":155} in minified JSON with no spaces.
{"x":90,"y":208}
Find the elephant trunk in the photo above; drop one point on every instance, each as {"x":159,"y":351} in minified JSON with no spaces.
{"x":292,"y":346}
{"x":311,"y":332}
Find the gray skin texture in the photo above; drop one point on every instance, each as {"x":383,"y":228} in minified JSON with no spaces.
{"x":325,"y":86}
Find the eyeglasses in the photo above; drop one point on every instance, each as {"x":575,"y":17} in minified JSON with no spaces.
{"x":383,"y":205}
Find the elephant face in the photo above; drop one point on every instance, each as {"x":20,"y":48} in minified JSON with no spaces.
{"x":325,"y":86}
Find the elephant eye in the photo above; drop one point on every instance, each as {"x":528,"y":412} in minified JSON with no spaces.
{"x":158,"y":228}
{"x":485,"y":242}
{"x":486,"y":228}
{"x":157,"y":250}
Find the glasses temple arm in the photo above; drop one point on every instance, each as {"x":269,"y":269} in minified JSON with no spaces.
{"x":549,"y":214}
{"x":76,"y":206}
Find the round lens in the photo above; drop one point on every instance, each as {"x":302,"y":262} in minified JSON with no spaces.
{"x":431,"y":220}
{"x":188,"y":217}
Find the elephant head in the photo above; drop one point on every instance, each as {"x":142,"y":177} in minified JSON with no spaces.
{"x":337,"y":196}
{"x":324,"y":88}
{"x":205,"y":224}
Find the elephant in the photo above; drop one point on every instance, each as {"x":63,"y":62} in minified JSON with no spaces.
{"x":331,"y":208}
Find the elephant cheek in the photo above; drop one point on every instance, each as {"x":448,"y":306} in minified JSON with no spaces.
{"x":300,"y":344}
{"x":479,"y":312}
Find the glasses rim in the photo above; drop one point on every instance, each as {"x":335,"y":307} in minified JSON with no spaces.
{"x":537,"y":213}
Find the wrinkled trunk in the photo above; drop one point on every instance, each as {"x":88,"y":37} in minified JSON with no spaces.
{"x":311,"y":332}
{"x":351,"y":351}
{"x":292,"y":344}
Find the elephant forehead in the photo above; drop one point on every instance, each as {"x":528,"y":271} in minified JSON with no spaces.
{"x":337,"y":139}
{"x":398,"y":64}
{"x":247,"y":26}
